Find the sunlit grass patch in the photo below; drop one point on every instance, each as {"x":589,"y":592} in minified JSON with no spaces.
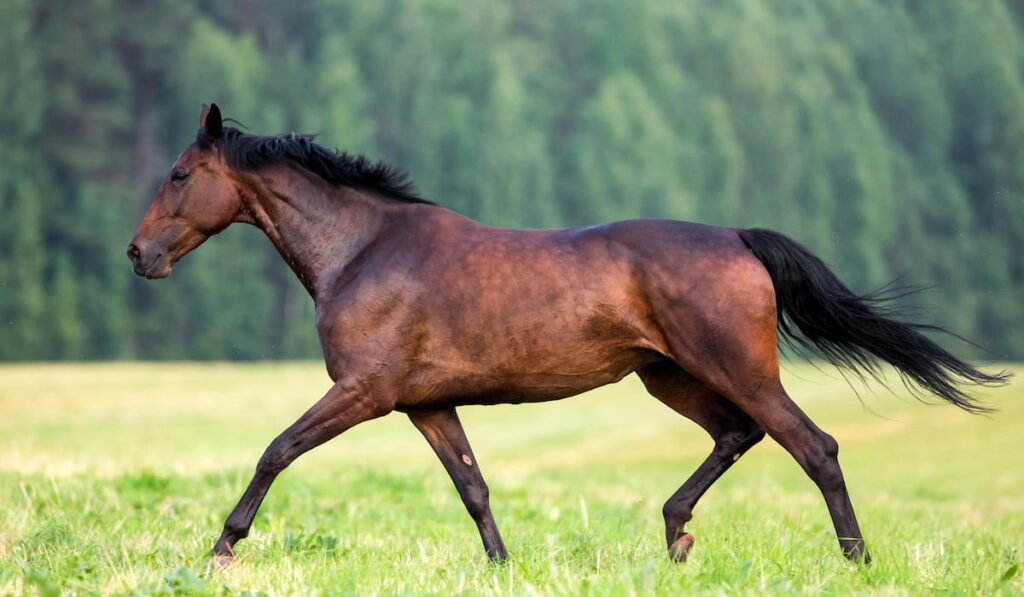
{"x":117,"y":478}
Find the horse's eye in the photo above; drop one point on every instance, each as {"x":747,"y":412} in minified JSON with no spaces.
{"x":179,"y":175}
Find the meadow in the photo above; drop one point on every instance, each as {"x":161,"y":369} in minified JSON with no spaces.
{"x":116,"y":478}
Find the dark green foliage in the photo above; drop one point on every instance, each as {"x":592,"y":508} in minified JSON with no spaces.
{"x":888,"y":137}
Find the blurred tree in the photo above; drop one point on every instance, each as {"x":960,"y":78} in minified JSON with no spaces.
{"x":887,"y":136}
{"x":614,"y":170}
{"x":24,"y":193}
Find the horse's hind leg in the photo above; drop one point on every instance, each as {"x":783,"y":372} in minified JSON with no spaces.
{"x":732,"y":431}
{"x":745,"y":371}
{"x":816,"y":451}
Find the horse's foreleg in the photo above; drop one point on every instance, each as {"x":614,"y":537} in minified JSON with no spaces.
{"x":341,"y":408}
{"x":732,"y":431}
{"x":444,"y":433}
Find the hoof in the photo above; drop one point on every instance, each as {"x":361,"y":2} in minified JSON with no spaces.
{"x":220,"y":562}
{"x":221,"y":557}
{"x":855,"y":550}
{"x":680,"y":548}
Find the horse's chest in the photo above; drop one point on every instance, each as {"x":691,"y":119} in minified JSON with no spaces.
{"x":360,"y":335}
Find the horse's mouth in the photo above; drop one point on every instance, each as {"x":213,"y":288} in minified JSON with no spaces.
{"x":159,"y":268}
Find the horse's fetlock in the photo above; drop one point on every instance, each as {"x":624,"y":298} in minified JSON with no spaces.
{"x":676,"y":513}
{"x":233,"y":531}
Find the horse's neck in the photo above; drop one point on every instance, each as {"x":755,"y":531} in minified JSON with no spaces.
{"x":317,"y":228}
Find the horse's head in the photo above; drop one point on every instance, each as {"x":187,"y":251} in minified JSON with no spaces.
{"x":198,"y":198}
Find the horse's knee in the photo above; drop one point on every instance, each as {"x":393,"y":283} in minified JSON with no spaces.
{"x":477,"y":500}
{"x":736,"y":442}
{"x":830,"y":446}
{"x":274,"y":460}
{"x":822,"y":462}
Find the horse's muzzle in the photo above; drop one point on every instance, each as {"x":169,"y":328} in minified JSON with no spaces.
{"x":155,"y":266}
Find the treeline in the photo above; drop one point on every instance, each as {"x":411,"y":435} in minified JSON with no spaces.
{"x":886,"y":135}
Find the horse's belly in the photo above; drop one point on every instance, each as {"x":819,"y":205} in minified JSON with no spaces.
{"x":531,"y":380}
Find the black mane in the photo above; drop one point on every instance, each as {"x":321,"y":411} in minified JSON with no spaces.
{"x":243,"y":151}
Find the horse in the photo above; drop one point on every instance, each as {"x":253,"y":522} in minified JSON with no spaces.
{"x":421,"y":310}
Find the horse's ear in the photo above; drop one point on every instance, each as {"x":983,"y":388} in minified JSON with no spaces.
{"x":211,"y":121}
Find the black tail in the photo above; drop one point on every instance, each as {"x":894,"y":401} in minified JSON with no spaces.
{"x":853,"y":331}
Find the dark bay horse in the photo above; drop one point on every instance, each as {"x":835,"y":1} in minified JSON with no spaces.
{"x":421,"y":310}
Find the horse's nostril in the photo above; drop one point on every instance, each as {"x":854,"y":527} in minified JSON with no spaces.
{"x":134,"y":253}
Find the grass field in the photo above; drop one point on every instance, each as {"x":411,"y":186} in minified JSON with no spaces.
{"x":116,"y":479}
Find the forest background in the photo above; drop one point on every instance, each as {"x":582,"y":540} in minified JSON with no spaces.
{"x":887,"y":136}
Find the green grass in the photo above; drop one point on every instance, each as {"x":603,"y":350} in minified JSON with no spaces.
{"x":116,"y":479}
